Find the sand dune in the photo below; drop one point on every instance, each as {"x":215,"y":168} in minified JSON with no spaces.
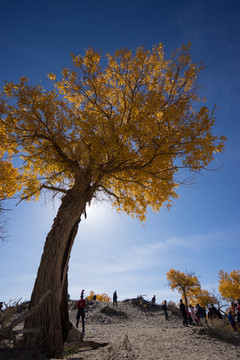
{"x":135,"y":333}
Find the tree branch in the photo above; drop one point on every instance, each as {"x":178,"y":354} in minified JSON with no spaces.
{"x":53,"y":188}
{"x":8,"y":332}
{"x":110,"y":193}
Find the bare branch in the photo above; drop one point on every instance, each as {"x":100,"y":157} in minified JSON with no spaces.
{"x":29,"y":313}
{"x":108,"y":192}
{"x":8,"y":332}
{"x":54,"y":188}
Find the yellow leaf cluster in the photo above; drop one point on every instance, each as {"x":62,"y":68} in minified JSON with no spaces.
{"x":229,"y":285}
{"x":203,"y":298}
{"x":122,"y":126}
{"x":100,"y":297}
{"x":10,"y":180}
{"x":52,"y":76}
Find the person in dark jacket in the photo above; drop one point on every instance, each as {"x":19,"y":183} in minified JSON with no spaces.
{"x":115,"y":298}
{"x":201,"y":313}
{"x":232,"y":321}
{"x":184,"y":312}
{"x":164,"y":307}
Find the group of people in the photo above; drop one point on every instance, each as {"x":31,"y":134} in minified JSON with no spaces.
{"x":191,"y":315}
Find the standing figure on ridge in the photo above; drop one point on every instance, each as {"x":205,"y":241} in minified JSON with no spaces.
{"x":115,"y":298}
{"x":193,"y":315}
{"x":164,"y":307}
{"x":184,"y":312}
{"x":201,"y":314}
{"x":81,"y":304}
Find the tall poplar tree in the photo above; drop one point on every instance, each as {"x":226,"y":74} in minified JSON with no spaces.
{"x":187,"y":284}
{"x":122,"y":127}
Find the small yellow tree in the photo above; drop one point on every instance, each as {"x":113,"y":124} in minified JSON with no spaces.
{"x":100,"y":297}
{"x":229,"y":284}
{"x":203,"y":298}
{"x":91,"y":295}
{"x":186,"y":284}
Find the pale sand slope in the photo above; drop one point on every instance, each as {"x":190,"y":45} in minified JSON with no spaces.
{"x":147,"y":335}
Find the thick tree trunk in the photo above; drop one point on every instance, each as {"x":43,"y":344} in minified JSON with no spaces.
{"x":186,"y":301}
{"x":52,"y":318}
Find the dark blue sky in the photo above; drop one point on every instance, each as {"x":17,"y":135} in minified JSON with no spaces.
{"x":202,"y":231}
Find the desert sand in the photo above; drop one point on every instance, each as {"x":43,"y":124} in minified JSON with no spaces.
{"x":134,"y":332}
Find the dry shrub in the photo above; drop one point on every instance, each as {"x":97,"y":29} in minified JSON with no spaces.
{"x":222,"y":330}
{"x":141,"y":303}
{"x":126,"y":343}
{"x":70,"y":350}
{"x":7,"y":314}
{"x":173,"y":308}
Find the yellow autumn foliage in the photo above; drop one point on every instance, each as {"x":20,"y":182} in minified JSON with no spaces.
{"x":186,"y":284}
{"x":100,"y":297}
{"x":9,"y":179}
{"x":229,"y":285}
{"x":124,"y":126}
{"x":203,"y":298}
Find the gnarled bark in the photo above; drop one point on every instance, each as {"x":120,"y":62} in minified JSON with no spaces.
{"x":52,"y":318}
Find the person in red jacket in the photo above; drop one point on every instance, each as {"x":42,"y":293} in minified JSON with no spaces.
{"x":81,"y":304}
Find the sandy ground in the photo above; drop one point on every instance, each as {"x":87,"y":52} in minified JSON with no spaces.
{"x":146,"y":335}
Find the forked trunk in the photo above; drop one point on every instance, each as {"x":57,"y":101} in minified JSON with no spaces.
{"x":52,"y":317}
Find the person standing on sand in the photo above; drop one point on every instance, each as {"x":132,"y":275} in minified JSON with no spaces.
{"x":1,"y":313}
{"x":231,"y":320}
{"x":193,"y":315}
{"x":164,"y":307}
{"x":81,"y":304}
{"x":154,"y":300}
{"x":201,"y":313}
{"x":184,"y":312}
{"x":115,"y":298}
{"x":238,"y":311}
{"x":189,"y":318}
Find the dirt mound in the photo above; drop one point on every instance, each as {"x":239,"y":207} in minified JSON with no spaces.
{"x":144,"y":304}
{"x":136,"y":329}
{"x":107,"y":310}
